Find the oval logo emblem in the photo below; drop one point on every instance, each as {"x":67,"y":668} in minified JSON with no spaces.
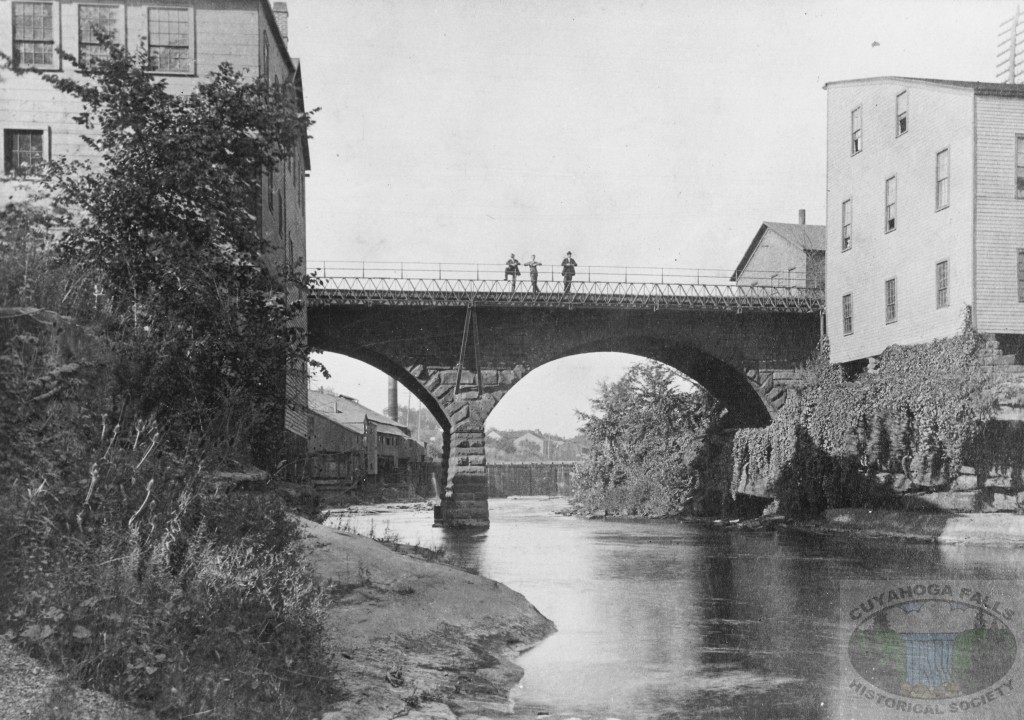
{"x":932,"y":649}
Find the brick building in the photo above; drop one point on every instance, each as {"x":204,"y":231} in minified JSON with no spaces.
{"x":925,"y":211}
{"x":185,"y":41}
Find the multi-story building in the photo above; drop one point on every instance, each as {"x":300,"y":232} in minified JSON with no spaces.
{"x":784,"y":255}
{"x":185,"y":40}
{"x":925,"y":212}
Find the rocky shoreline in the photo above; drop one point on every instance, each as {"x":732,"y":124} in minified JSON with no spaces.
{"x":418,"y":639}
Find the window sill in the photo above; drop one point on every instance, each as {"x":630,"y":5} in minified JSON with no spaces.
{"x":944,"y":207}
{"x":173,"y":73}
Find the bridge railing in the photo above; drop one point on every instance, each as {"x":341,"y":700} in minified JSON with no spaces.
{"x":590,"y":273}
{"x":551,"y":293}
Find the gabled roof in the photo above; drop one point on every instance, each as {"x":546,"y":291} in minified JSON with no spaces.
{"x":979,"y":88}
{"x":345,"y":411}
{"x":809,"y":238}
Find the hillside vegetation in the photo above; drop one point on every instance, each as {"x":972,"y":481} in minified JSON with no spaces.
{"x":143,"y":338}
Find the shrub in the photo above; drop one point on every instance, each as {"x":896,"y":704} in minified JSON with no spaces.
{"x":919,"y":414}
{"x":653,"y":448}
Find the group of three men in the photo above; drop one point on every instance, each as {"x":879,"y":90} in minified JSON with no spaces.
{"x":512,"y":271}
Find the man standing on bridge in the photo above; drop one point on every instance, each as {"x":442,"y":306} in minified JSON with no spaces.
{"x":512,"y":270}
{"x":568,"y":270}
{"x":533,"y":265}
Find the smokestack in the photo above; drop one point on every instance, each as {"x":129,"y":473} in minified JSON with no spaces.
{"x":803,"y":217}
{"x":281,"y":18}
{"x":393,"y":399}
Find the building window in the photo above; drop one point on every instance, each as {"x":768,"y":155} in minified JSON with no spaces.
{"x":270,"y":189}
{"x":280,"y":214}
{"x":266,"y":55}
{"x":95,"y":21}
{"x":942,"y":179}
{"x":890,"y":300}
{"x":847,"y":225}
{"x":847,"y":314}
{"x":1020,"y":166}
{"x":1020,"y":276}
{"x":942,"y":283}
{"x":901,"y":113}
{"x":23,"y":151}
{"x":855,"y":132}
{"x":890,"y":204}
{"x":33,"y":34}
{"x":170,"y":47}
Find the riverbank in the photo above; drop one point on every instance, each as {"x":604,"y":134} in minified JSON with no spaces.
{"x":989,"y":529}
{"x":418,"y":639}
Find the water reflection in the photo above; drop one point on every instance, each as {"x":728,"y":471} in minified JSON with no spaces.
{"x":669,"y":620}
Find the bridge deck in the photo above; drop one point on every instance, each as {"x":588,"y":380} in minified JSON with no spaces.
{"x":441,"y":292}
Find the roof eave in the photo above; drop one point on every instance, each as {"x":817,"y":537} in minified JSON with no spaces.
{"x":750,"y":252}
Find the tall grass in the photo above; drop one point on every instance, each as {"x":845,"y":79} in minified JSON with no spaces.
{"x":116,"y":566}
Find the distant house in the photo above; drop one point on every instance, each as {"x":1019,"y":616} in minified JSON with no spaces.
{"x":349,"y":442}
{"x":531,"y":442}
{"x":784,"y":255}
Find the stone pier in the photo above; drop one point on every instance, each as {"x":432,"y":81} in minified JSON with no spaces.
{"x":464,"y":503}
{"x":465,"y":499}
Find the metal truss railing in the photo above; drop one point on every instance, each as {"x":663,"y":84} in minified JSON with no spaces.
{"x":463,"y":293}
{"x":551,"y":272}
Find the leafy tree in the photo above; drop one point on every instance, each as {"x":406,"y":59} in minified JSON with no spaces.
{"x":650,"y":443}
{"x":204,"y":322}
{"x":505,"y":445}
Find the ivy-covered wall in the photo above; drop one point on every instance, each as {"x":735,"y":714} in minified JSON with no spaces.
{"x":912,"y":421}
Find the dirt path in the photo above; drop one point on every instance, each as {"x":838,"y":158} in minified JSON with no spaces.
{"x":417,"y":639}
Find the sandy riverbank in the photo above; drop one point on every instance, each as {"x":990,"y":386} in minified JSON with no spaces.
{"x":418,"y":639}
{"x":990,"y":529}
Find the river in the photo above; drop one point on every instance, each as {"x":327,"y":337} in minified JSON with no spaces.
{"x":681,"y":620}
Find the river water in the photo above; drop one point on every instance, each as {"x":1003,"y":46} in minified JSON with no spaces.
{"x":679,"y":620}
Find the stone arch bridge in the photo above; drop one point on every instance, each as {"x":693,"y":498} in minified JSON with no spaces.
{"x":460,"y":345}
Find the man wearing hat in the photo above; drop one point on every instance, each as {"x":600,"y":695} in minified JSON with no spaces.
{"x":568,"y":270}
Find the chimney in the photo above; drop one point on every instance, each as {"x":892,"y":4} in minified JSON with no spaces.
{"x":393,"y":399}
{"x":803,"y":215}
{"x":281,"y":18}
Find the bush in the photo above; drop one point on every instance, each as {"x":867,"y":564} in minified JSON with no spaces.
{"x":114,"y":567}
{"x":655,"y":448}
{"x":226,"y":630}
{"x":918,"y":414}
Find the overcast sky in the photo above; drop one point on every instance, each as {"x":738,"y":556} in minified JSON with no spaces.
{"x":657,"y":133}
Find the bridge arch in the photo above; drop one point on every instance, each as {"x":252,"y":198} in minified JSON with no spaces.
{"x":459,"y":361}
{"x":393,"y":368}
{"x":747,"y":405}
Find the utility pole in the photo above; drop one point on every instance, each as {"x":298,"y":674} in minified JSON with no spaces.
{"x":1009,"y":54}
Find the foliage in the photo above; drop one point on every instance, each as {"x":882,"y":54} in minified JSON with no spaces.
{"x":115,"y":565}
{"x":916,"y":414}
{"x":651,"y":444}
{"x":204,"y":319}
